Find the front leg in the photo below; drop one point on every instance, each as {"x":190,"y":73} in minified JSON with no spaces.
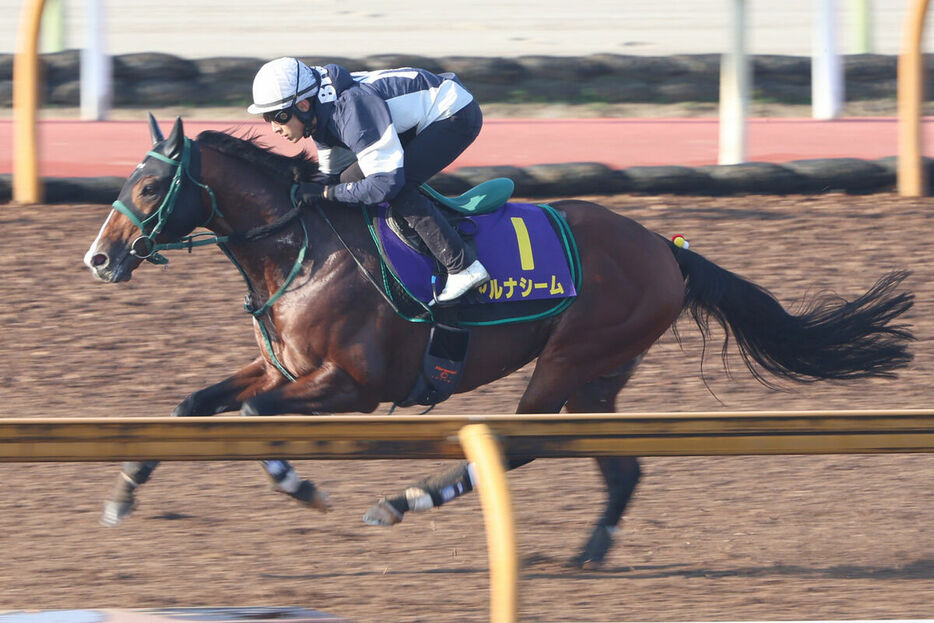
{"x":328,"y":389}
{"x":224,"y":396}
{"x":230,"y":393}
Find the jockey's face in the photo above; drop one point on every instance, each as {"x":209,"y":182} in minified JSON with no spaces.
{"x":292,"y":130}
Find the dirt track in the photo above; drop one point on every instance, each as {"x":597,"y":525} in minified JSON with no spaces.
{"x":837,"y":537}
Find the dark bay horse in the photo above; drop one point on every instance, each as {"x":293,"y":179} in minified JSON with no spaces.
{"x":330,"y":342}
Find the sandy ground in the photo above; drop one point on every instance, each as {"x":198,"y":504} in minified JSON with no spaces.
{"x":743,"y":538}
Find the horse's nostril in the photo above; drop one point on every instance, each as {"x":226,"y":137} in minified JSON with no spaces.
{"x":98,"y":260}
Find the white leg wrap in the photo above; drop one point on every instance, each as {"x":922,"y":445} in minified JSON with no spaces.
{"x":290,"y":482}
{"x":449,"y":493}
{"x":418,"y":499}
{"x":472,"y":474}
{"x":275,"y":468}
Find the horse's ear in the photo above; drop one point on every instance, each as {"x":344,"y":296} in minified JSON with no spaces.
{"x":154,"y":130}
{"x":176,"y":141}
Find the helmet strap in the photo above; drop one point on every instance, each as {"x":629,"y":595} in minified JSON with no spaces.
{"x":307,"y":118}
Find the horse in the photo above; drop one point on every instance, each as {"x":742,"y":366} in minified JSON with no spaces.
{"x":331,"y":341}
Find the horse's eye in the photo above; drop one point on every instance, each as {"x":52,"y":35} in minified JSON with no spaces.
{"x":149,"y":190}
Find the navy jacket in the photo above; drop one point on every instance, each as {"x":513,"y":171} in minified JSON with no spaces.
{"x":360,"y":116}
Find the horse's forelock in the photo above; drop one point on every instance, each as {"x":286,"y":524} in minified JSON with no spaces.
{"x":248,"y":148}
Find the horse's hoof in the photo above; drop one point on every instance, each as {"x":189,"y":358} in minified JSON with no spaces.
{"x":185,"y":407}
{"x":584,"y":563}
{"x":310,"y":496}
{"x":115,"y":512}
{"x":315,"y":498}
{"x":591,"y":557}
{"x":260,"y":405}
{"x":382,"y":514}
{"x":248,"y":409}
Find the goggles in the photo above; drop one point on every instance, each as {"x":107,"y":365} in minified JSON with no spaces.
{"x":281,"y":116}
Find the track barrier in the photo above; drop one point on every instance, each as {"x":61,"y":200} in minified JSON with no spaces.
{"x":484,"y":439}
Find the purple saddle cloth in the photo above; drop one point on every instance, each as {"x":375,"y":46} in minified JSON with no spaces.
{"x":517,"y":244}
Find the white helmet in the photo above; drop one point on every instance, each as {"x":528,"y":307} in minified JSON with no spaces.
{"x":280,"y":83}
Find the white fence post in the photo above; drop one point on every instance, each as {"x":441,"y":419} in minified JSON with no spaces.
{"x":826,"y":67}
{"x":734,"y":89}
{"x":96,"y":65}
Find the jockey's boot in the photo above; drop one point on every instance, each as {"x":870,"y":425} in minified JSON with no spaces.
{"x":460,"y":282}
{"x":120,"y":503}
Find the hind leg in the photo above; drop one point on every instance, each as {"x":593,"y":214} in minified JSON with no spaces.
{"x":437,"y":490}
{"x":621,"y":474}
{"x":545,"y":394}
{"x":428,"y":493}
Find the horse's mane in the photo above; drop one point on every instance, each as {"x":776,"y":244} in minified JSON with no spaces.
{"x":296,"y":168}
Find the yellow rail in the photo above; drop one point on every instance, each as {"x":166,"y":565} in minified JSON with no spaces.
{"x":483,"y":450}
{"x":911,"y":178}
{"x":485,"y":440}
{"x":26,"y":185}
{"x":433,"y":437}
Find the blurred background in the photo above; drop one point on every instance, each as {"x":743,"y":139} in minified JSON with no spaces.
{"x":707,"y":539}
{"x":597,"y":59}
{"x":355,"y":28}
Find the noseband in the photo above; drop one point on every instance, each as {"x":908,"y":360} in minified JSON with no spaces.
{"x":145,"y":245}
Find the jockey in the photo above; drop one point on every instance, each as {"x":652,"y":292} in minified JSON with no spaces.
{"x":379,"y":135}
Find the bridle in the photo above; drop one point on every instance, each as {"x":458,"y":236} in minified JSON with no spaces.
{"x":145,"y":246}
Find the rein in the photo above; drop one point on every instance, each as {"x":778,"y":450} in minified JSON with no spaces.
{"x":363,"y":269}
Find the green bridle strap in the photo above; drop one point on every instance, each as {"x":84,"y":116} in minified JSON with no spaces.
{"x":161,"y":215}
{"x":188,"y":242}
{"x":296,"y":267}
{"x":262,"y":310}
{"x":259,"y":313}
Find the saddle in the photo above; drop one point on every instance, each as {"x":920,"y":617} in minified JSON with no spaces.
{"x":481,"y":199}
{"x":528,"y":250}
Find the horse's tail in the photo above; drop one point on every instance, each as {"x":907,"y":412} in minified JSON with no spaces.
{"x":831,"y":339}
